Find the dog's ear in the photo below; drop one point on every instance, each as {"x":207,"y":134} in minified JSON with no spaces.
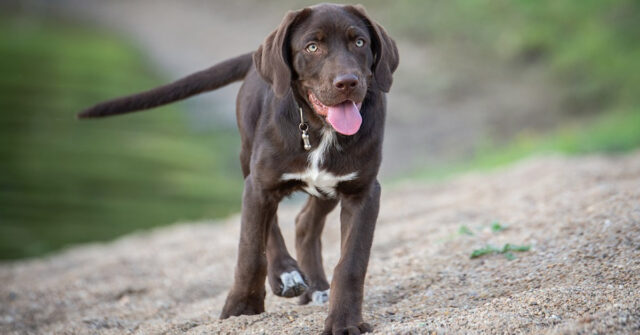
{"x":384,"y":48}
{"x":272,"y":58}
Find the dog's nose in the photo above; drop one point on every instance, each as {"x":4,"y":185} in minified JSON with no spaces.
{"x":345,"y":82}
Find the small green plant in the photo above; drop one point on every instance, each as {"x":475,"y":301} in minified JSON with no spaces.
{"x":507,"y":250}
{"x":488,"y":249}
{"x":513,"y":247}
{"x":509,"y":256}
{"x":464,"y":230}
{"x":496,"y":227}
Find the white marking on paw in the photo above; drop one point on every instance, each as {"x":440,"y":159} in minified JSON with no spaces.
{"x":320,"y":297}
{"x":320,"y":180}
{"x":291,"y":280}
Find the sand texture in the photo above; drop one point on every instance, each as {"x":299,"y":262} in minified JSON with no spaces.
{"x":581,"y":217}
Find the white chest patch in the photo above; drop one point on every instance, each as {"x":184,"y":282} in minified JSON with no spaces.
{"x":320,"y":180}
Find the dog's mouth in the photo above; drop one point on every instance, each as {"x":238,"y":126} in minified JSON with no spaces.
{"x":344,"y":117}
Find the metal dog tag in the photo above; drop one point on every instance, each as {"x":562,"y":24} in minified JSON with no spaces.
{"x":304,"y":127}
{"x":305,"y":136}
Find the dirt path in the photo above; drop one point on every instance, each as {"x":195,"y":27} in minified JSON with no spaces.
{"x":580,"y":215}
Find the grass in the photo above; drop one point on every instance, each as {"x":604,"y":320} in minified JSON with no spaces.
{"x":496,"y":227}
{"x":64,"y":181}
{"x":507,"y":250}
{"x":613,"y":133}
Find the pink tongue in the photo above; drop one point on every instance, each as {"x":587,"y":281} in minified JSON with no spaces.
{"x":345,"y":118}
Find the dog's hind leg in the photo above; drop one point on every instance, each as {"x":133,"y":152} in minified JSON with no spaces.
{"x":309,"y":226}
{"x":285,"y":278}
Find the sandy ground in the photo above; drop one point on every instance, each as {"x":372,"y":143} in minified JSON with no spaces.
{"x":582,"y":275}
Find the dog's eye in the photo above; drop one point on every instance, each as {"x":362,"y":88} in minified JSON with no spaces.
{"x":312,"y":47}
{"x":359,"y":43}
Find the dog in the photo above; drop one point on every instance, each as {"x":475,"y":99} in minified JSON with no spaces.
{"x":311,"y":113}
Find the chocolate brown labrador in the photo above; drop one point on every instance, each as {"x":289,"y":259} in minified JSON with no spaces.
{"x":311,"y":115}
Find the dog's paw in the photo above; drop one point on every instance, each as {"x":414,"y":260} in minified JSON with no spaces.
{"x":350,"y":330}
{"x":291,"y":285}
{"x":240,"y":304}
{"x":320,"y":297}
{"x":314,"y":297}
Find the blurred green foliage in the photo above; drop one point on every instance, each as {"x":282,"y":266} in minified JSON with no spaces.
{"x":591,"y":48}
{"x":66,"y":181}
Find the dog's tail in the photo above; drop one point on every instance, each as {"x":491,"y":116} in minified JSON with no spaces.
{"x":219,"y":75}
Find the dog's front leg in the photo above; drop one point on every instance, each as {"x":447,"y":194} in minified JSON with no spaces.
{"x":358,"y":219}
{"x":247,"y":294}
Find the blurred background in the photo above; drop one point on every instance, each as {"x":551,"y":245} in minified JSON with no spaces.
{"x":481,"y":83}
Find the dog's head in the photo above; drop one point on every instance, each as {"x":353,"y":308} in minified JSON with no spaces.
{"x":331,"y":55}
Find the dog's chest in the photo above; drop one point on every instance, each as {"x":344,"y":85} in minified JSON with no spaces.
{"x":319,"y":182}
